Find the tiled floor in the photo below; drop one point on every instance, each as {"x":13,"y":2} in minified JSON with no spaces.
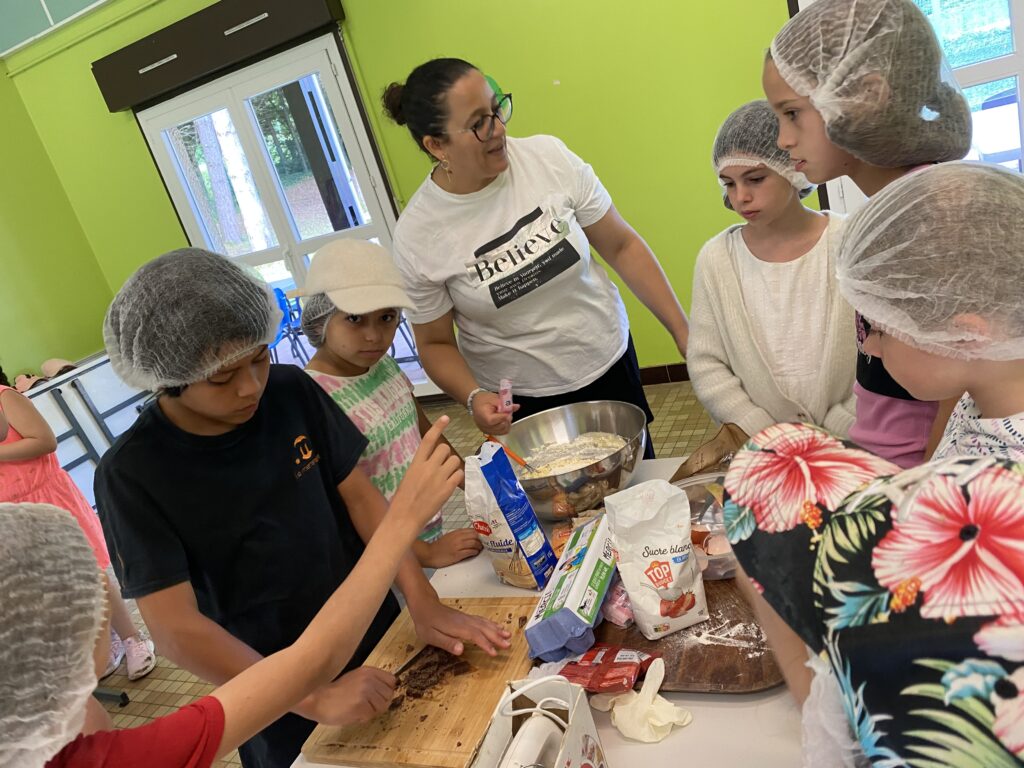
{"x":680,"y":425}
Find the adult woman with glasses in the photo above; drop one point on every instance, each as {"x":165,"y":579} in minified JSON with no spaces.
{"x":496,"y":244}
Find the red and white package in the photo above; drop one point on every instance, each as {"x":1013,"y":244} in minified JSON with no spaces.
{"x":608,"y":668}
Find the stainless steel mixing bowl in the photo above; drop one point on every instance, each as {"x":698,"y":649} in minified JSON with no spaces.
{"x":564,"y":495}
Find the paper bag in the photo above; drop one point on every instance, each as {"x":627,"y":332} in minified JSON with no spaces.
{"x":546,"y":721}
{"x":714,"y":455}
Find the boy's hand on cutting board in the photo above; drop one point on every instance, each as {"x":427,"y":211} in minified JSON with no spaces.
{"x":447,"y":628}
{"x":355,"y":697}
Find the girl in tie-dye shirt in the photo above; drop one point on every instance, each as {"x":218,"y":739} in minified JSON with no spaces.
{"x":353,"y":366}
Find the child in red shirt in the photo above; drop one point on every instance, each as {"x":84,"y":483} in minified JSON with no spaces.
{"x":54,"y":598}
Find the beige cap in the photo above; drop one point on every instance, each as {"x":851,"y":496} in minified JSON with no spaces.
{"x":55,"y":367}
{"x":358,"y":277}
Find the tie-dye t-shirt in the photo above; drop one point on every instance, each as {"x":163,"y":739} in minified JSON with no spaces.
{"x":380,"y":403}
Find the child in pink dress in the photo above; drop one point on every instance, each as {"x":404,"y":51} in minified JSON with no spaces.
{"x":30,"y":472}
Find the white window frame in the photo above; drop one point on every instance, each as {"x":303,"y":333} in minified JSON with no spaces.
{"x":320,"y":56}
{"x":1011,"y":65}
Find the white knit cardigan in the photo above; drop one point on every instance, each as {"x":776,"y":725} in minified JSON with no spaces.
{"x":730,"y":374}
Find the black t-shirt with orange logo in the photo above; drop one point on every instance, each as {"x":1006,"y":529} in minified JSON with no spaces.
{"x":252,"y":518}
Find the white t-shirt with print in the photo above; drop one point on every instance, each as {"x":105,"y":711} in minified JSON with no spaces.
{"x":512,"y":261}
{"x":968,"y":434}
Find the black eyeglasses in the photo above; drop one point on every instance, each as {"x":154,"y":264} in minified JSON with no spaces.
{"x":483,"y":128}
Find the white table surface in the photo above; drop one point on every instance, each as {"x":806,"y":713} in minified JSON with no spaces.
{"x":759,"y":729}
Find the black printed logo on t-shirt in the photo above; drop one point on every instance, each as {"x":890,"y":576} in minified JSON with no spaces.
{"x":305,"y":457}
{"x":533,"y":252}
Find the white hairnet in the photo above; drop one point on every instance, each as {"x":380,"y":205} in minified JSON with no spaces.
{"x":317,"y":311}
{"x":875,"y":72}
{"x":935,"y":247}
{"x":51,"y":603}
{"x":749,"y":137}
{"x":185,"y":315}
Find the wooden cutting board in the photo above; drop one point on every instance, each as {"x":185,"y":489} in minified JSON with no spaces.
{"x":728,"y":653}
{"x":444,"y":729}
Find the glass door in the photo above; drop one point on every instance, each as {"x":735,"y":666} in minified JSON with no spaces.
{"x":979,"y":38}
{"x":268,"y":164}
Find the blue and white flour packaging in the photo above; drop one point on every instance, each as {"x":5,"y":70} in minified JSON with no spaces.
{"x":563,"y":622}
{"x":502,"y":515}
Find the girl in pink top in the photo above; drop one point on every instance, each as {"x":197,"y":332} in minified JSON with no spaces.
{"x":30,"y":472}
{"x":862,"y":90}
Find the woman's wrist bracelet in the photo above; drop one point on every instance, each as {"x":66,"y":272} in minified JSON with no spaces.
{"x":469,"y":400}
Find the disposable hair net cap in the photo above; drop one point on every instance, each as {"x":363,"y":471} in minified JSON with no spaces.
{"x":876,"y":73}
{"x":317,"y":311}
{"x":749,"y":137}
{"x":185,"y":315}
{"x":936,"y":251}
{"x":52,"y":613}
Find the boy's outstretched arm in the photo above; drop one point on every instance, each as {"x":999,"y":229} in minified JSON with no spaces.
{"x":260,"y":694}
{"x":453,"y":546}
{"x":436,"y":624}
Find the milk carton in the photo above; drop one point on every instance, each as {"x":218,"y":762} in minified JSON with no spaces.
{"x":563,"y":621}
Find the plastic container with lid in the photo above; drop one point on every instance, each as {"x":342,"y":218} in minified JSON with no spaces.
{"x":707,"y":525}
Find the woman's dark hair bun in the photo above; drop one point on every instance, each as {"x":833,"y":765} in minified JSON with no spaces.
{"x":392,"y":101}
{"x":421,"y":103}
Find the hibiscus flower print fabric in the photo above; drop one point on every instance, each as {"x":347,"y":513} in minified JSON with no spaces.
{"x":910,"y":584}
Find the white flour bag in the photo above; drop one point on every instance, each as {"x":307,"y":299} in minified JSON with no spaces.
{"x":650,"y":527}
{"x":503,"y":516}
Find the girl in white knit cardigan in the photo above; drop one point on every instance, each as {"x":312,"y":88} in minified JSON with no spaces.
{"x":769,"y":332}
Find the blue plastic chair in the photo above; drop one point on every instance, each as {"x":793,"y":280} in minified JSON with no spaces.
{"x":290,"y":328}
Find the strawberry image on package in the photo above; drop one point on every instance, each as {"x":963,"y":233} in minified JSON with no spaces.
{"x":650,"y":528}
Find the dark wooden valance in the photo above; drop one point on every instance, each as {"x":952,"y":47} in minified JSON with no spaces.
{"x":209,"y":43}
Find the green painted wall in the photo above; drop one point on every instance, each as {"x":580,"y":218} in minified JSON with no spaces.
{"x":640,"y":91}
{"x":636,"y":89}
{"x":52,"y":294}
{"x":101,"y":158}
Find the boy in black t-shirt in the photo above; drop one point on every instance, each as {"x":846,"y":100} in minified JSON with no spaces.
{"x":233,"y":507}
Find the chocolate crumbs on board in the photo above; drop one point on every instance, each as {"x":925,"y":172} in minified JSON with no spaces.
{"x":430,"y":669}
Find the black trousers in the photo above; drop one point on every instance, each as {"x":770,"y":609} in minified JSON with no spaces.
{"x":620,"y":382}
{"x":277,"y":745}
